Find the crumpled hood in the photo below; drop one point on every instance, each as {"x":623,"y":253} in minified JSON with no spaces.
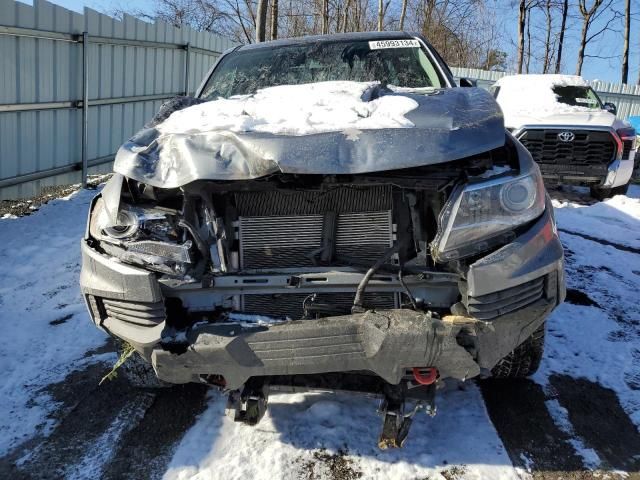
{"x":448,"y":125}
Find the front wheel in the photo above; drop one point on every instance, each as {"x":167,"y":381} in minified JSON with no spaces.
{"x":525,"y":358}
{"x":604,"y":193}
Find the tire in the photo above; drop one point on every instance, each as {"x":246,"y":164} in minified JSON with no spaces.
{"x":524,"y":360}
{"x":604,"y":193}
{"x":139,"y":373}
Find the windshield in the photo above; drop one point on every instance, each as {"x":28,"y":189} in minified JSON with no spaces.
{"x":577,"y":96}
{"x":401,"y":63}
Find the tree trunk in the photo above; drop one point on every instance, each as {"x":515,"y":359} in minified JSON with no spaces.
{"x":345,"y":16}
{"x":528,"y":41}
{"x":403,"y":14}
{"x":380,"y":14}
{"x":563,"y":27}
{"x":625,"y":49}
{"x":274,"y":19}
{"x":522,"y":19}
{"x":583,"y":45}
{"x":547,"y":40}
{"x":261,"y":21}
{"x":325,"y":17}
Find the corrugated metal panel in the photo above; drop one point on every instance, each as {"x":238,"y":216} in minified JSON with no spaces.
{"x":626,"y":97}
{"x":36,"y":70}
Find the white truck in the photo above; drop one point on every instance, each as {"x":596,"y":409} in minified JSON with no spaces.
{"x":571,"y":134}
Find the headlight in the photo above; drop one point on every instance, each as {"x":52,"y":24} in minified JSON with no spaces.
{"x":141,"y":236}
{"x":484,"y":214}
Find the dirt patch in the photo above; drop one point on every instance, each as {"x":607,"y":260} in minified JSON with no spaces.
{"x":61,"y":320}
{"x":532,"y":439}
{"x":454,"y":473}
{"x":601,"y":241}
{"x":599,"y":419}
{"x":535,"y":443}
{"x":569,"y":193}
{"x":20,"y":208}
{"x":578,"y":297}
{"x":146,"y":450}
{"x":85,"y":412}
{"x":334,"y":466}
{"x":113,"y":431}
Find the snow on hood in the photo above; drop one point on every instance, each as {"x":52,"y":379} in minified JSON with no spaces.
{"x":322,"y":128}
{"x":529,"y":99}
{"x":296,"y":110}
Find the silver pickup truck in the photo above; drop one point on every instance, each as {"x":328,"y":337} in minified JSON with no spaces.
{"x":381,"y":253}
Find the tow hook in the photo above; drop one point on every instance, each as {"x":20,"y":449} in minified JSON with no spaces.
{"x":250,"y":405}
{"x":425,"y":376}
{"x":397,"y":418}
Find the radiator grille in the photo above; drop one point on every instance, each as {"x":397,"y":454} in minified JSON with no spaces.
{"x":286,"y":230}
{"x":588,"y":147}
{"x":310,"y":202}
{"x":279,"y":242}
{"x":291,"y":304}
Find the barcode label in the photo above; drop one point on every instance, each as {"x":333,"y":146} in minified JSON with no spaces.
{"x":380,"y":44}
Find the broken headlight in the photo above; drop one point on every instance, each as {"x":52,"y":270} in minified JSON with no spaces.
{"x":145,"y":236}
{"x":484,"y":214}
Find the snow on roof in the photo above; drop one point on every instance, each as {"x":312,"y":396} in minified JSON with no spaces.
{"x":296,"y":110}
{"x":533,"y":94}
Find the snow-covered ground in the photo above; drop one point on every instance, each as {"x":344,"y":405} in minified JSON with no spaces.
{"x":593,"y":345}
{"x":44,"y":324}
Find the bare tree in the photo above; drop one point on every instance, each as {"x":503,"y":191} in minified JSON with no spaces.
{"x":325,"y":16}
{"x":403,"y":14}
{"x":345,"y":16}
{"x":380,"y":14}
{"x":522,"y":20}
{"x":589,"y":16}
{"x":625,"y":48}
{"x":563,"y":27}
{"x":523,"y":10}
{"x":547,"y":39}
{"x":261,"y":20}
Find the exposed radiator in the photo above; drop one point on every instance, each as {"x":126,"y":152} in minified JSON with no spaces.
{"x":281,"y":242}
{"x":299,"y":229}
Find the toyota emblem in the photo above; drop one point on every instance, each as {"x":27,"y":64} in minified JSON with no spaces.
{"x":566,"y":136}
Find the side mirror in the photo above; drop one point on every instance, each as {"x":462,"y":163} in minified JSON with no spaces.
{"x":467,"y":82}
{"x":611,"y":108}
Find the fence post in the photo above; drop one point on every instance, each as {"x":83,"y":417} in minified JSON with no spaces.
{"x":85,"y":105}
{"x":187,"y":51}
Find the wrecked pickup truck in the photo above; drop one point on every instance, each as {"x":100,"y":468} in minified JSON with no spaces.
{"x":327,"y":212}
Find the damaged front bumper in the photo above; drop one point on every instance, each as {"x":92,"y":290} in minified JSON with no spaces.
{"x":505,"y":296}
{"x":387,"y":343}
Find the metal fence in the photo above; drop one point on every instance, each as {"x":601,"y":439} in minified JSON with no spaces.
{"x":626,"y":97}
{"x":74,"y":87}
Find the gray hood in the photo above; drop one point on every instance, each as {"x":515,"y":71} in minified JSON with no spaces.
{"x":450,"y":124}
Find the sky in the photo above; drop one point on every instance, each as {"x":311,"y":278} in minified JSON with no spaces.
{"x":608,"y":47}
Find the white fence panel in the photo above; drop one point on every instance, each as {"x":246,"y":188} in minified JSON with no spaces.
{"x":132,"y":67}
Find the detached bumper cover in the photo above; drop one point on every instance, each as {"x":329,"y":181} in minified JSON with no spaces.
{"x":386,"y":343}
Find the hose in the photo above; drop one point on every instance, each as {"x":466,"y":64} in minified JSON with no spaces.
{"x":362,"y":286}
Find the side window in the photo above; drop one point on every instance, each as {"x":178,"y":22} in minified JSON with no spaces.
{"x":494,"y":90}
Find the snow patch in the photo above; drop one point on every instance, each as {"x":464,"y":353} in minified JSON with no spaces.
{"x":522,"y":95}
{"x":40,"y":258}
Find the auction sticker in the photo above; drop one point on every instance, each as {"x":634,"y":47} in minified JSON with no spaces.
{"x":380,"y":44}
